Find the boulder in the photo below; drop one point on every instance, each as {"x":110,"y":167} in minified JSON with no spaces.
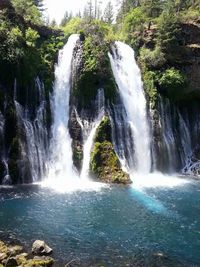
{"x":39,"y":247}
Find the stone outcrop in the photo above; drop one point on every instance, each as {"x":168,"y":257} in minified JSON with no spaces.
{"x":105,"y":165}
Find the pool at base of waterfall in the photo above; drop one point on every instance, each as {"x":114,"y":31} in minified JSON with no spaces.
{"x":108,"y":226}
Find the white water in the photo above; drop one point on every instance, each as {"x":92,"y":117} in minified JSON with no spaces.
{"x":34,"y":143}
{"x":87,"y":150}
{"x":62,"y":176}
{"x":89,"y":135}
{"x":61,"y":164}
{"x":128,"y":78}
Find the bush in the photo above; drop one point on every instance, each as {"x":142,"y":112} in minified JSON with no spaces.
{"x":152,"y":58}
{"x":150,"y":78}
{"x":134,"y":20}
{"x":172,"y":79}
{"x":168,"y":31}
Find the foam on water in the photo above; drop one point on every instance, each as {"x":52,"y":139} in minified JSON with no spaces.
{"x":157,"y":179}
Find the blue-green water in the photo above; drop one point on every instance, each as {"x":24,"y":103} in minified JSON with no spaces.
{"x":114,"y":226}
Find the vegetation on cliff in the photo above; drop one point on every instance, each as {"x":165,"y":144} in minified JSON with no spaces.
{"x":24,"y":40}
{"x":157,"y":32}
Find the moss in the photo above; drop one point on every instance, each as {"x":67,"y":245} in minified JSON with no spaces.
{"x":77,"y":156}
{"x":104,"y":163}
{"x":46,"y":262}
{"x":104,"y":130}
{"x":96,"y":70}
{"x":149,"y":79}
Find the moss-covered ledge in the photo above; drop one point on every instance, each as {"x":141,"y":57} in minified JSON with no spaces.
{"x":95,"y":71}
{"x":104,"y":164}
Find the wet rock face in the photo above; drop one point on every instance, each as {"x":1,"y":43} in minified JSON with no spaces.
{"x":74,"y":127}
{"x":77,"y":140}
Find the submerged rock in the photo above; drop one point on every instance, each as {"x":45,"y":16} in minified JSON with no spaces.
{"x":39,"y":247}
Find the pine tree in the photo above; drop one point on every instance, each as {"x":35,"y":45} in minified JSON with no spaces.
{"x":66,"y":18}
{"x":109,"y":13}
{"x":88,"y":11}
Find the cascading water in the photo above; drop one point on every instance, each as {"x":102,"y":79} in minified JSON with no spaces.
{"x":128,"y":78}
{"x":61,"y":164}
{"x":33,"y":138}
{"x":89,"y":135}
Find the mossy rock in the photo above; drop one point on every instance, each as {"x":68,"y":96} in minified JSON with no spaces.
{"x":39,"y":261}
{"x":95,"y":70}
{"x":105,"y":164}
{"x":104,"y":130}
{"x":77,"y":156}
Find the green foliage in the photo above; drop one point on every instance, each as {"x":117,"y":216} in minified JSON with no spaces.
{"x":152,"y":8}
{"x":167,"y":32}
{"x":96,"y":72}
{"x":104,"y":130}
{"x":150,"y":79}
{"x":31,"y":37}
{"x":152,"y":58}
{"x":134,"y":20}
{"x":28,"y":10}
{"x":104,"y":163}
{"x":172,"y":80}
{"x":73,"y":26}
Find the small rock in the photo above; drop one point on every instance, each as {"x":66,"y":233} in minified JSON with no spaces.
{"x":21,"y":259}
{"x":13,"y":251}
{"x":3,"y":256}
{"x":39,"y":247}
{"x":3,"y":247}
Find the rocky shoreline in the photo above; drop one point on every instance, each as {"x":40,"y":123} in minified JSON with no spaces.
{"x":16,"y":255}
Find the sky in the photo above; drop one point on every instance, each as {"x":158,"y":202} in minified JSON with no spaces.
{"x":57,"y":8}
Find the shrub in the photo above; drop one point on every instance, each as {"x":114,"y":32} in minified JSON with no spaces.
{"x":172,"y":79}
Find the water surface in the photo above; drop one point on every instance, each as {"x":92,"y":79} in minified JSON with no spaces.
{"x":112,"y":226}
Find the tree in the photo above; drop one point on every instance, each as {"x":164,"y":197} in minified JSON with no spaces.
{"x":39,"y":4}
{"x":66,"y":18}
{"x":108,"y":13}
{"x":27,"y":9}
{"x":152,"y":8}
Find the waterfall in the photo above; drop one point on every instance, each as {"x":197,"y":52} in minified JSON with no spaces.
{"x":166,"y":156}
{"x":33,"y":137}
{"x":89,"y":135}
{"x":61,"y":164}
{"x":128,"y":79}
{"x":121,"y":135}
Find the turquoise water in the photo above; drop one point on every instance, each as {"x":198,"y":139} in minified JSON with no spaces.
{"x":114,"y":226}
